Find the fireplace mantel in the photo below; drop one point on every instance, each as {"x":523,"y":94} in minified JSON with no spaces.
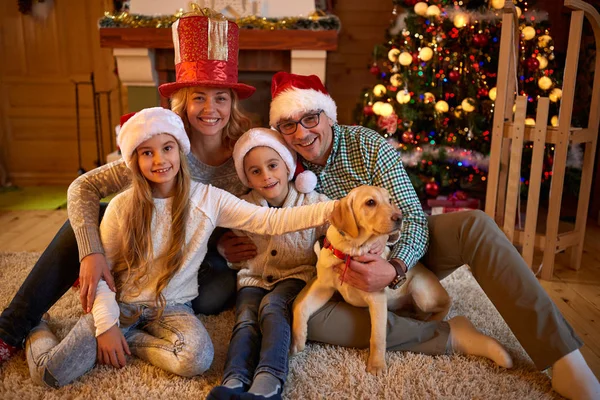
{"x":145,"y":55}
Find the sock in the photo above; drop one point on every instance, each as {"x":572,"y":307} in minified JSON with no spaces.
{"x":573,"y":378}
{"x":265,"y":385}
{"x":465,"y":339}
{"x":233,"y":383}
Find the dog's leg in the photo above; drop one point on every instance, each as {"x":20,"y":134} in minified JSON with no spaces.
{"x":430,"y":299}
{"x":309,"y":300}
{"x":378,"y":310}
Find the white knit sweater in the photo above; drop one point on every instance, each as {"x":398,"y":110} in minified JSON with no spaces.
{"x":281,"y":257}
{"x":210,"y":207}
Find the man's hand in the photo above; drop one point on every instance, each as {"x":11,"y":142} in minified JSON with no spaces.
{"x":236,"y":248}
{"x":378,"y":246}
{"x":92,"y":268}
{"x":369,"y":273}
{"x":112,"y":347}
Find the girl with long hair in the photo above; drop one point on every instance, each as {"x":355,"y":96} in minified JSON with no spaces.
{"x":155,"y":235}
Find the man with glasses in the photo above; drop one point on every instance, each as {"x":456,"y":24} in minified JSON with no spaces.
{"x":344,"y":157}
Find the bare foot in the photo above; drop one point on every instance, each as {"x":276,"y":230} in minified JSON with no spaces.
{"x":573,"y":379}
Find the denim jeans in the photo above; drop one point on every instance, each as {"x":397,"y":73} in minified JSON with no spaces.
{"x":261,"y":334}
{"x":177,"y":343}
{"x":58,"y":268}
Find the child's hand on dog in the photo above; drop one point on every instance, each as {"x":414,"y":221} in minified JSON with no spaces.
{"x":369,"y":273}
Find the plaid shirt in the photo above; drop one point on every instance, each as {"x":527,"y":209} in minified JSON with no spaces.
{"x":360,"y":156}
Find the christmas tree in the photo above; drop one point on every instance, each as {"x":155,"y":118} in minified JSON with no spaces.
{"x":435,"y":99}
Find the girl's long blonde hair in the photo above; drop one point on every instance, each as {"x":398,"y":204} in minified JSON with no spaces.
{"x":238,"y":121}
{"x":134,"y":257}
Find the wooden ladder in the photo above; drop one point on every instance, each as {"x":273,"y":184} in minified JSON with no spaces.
{"x":508,"y":137}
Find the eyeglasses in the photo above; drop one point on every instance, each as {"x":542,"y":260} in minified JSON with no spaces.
{"x":308,"y":121}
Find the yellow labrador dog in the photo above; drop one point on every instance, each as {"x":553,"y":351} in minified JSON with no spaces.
{"x":366,"y":216}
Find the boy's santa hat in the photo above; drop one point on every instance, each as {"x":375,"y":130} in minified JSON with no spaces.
{"x":263,"y":137}
{"x":292,"y":94}
{"x":147,"y":123}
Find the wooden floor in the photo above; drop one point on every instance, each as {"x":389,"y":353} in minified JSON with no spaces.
{"x":577,"y":293}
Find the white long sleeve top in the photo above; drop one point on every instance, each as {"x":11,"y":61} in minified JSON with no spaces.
{"x":209,"y":207}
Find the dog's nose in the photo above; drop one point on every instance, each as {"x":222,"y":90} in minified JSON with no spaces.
{"x":397,"y":216}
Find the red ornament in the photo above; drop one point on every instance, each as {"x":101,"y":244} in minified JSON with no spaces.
{"x":374,"y":69}
{"x":480,"y":40}
{"x":415,"y":59}
{"x":454,"y":76}
{"x":411,"y":3}
{"x":407,"y":137}
{"x":482,"y":92}
{"x":432,"y":189}
{"x":532,"y":64}
{"x":368,"y":110}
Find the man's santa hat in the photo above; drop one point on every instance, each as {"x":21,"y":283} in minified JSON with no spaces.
{"x":296,"y":94}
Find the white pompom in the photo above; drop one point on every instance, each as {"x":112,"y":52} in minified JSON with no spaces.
{"x":306,"y":182}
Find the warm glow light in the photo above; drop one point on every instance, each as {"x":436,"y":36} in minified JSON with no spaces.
{"x":528,"y":33}
{"x":393,"y":55}
{"x":396,"y":80}
{"x":403,"y":97}
{"x":379,"y":90}
{"x":545,"y":83}
{"x":467,"y":105}
{"x":554,"y":121}
{"x":428,"y":97}
{"x":497,"y":4}
{"x":421,"y":8}
{"x":555,"y":95}
{"x":493,"y":92}
{"x":377,"y":107}
{"x":530,"y":121}
{"x":433,"y":11}
{"x":386,"y":110}
{"x":425,"y":54}
{"x":461,"y":20}
{"x":441,"y":106}
{"x":405,"y":58}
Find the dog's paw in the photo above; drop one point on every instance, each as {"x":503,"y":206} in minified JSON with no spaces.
{"x":376,"y":366}
{"x":298,"y":345}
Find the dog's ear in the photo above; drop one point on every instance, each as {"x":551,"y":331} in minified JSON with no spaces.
{"x":343,"y":219}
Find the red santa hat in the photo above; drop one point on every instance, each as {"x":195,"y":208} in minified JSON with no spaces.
{"x":147,"y":123}
{"x":292,"y":94}
{"x":263,"y":137}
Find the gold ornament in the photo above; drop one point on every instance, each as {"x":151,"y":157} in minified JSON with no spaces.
{"x":554,"y":121}
{"x":497,"y":4}
{"x":425,"y":54}
{"x":405,"y":58}
{"x":386,"y":110}
{"x":393,"y":55}
{"x":545,"y":83}
{"x":543,"y":61}
{"x":433,"y":11}
{"x":493,"y":92}
{"x":421,"y":8}
{"x":377,"y":107}
{"x":428,"y":97}
{"x":530,"y":121}
{"x":441,"y":106}
{"x":461,"y":20}
{"x":379,"y":90}
{"x":396,"y":80}
{"x":555,"y":95}
{"x":403,"y":97}
{"x":519,"y":12}
{"x":458,"y":111}
{"x":467,"y":105}
{"x":544,"y":40}
{"x":528,"y":33}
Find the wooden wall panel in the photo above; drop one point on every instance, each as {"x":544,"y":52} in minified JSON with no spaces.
{"x":364,"y":24}
{"x":38,"y":130}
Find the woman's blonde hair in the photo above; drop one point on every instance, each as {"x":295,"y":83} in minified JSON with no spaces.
{"x":134,"y":257}
{"x":238,"y":123}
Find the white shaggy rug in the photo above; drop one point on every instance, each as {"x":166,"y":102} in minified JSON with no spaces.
{"x":321,"y":372}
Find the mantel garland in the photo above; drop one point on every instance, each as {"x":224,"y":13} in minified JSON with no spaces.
{"x":314,"y":22}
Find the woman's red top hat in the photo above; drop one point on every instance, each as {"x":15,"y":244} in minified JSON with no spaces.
{"x":206,"y":54}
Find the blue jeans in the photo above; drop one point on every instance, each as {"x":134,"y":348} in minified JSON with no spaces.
{"x":58,"y":268}
{"x":261,"y":334}
{"x":177,"y":343}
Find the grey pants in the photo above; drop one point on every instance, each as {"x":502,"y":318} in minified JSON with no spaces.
{"x":473,"y":238}
{"x":177,"y":342}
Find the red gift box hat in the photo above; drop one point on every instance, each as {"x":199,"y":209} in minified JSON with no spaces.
{"x":206,"y":54}
{"x":292,"y":94}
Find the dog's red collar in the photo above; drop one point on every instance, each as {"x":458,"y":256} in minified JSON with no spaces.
{"x":338,"y":254}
